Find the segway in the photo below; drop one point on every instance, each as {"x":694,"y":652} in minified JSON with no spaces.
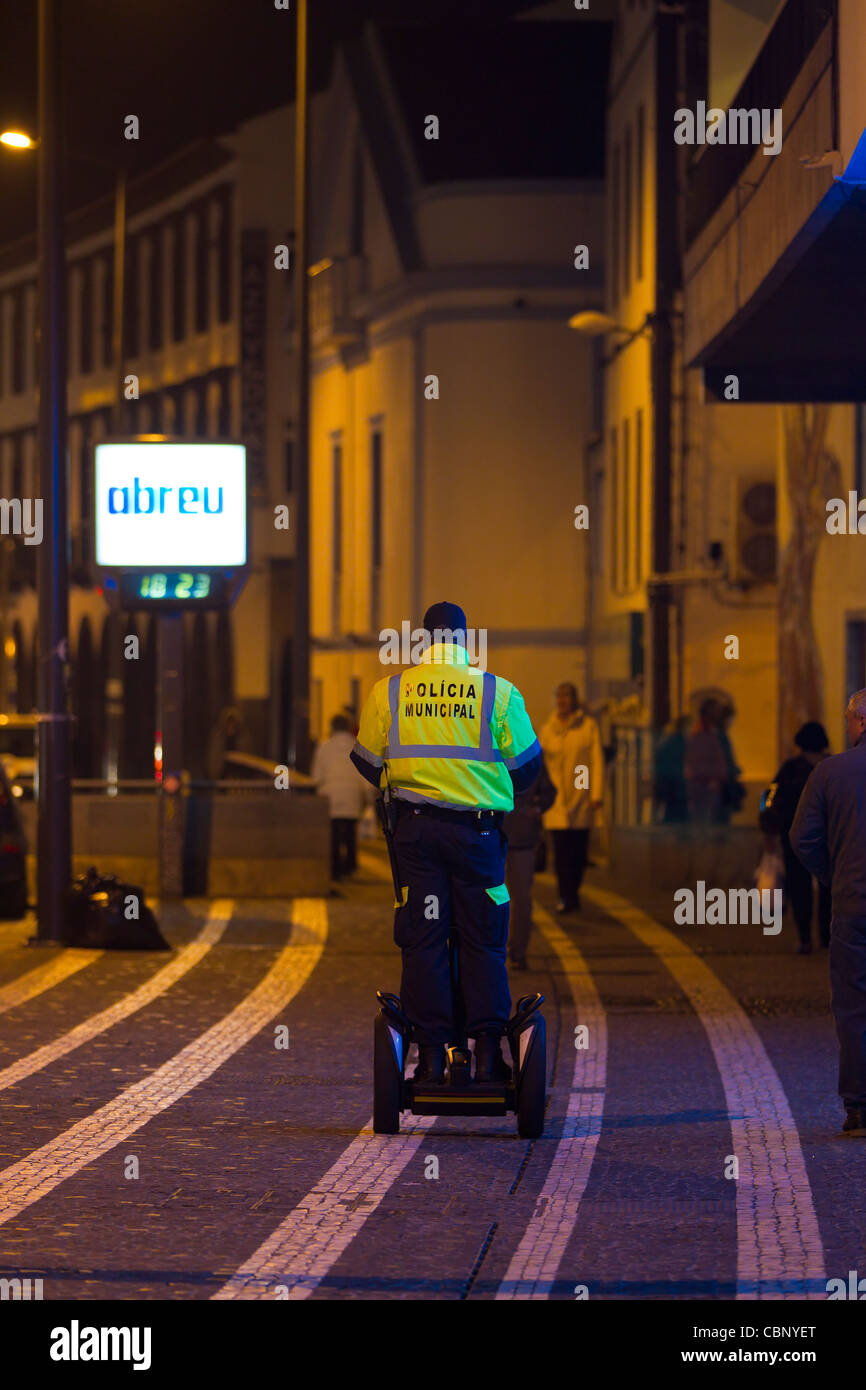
{"x":523,"y":1092}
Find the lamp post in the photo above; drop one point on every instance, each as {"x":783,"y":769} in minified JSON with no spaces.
{"x":300,"y":731}
{"x":53,"y":769}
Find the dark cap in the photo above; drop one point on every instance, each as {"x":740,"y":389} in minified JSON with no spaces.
{"x":812,"y":737}
{"x":447,"y":617}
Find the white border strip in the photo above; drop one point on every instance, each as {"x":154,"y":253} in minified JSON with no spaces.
{"x":46,"y":1168}
{"x":534,"y":1264}
{"x":779,"y":1248}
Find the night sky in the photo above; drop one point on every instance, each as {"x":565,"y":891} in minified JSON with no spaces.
{"x":187,"y":68}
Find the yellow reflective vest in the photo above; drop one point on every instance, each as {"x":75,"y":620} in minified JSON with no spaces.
{"x":446,"y":733}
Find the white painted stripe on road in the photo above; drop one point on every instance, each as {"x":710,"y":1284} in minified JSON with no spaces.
{"x":302,"y":1250}
{"x":41,"y":1172}
{"x":299,"y":1254}
{"x":45,"y":976}
{"x":534,"y":1264}
{"x":779,"y":1249}
{"x":89,"y":1028}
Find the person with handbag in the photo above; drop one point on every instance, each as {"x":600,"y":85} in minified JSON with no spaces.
{"x":777,"y":815}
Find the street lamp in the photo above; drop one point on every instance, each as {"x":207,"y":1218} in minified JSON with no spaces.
{"x":590,"y":323}
{"x":18,"y":140}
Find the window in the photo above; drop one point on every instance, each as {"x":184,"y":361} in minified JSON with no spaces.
{"x":224,"y":254}
{"x":224,"y":412}
{"x":626,"y":214}
{"x":200,"y":425}
{"x":202,"y":268}
{"x":337,"y":528}
{"x":289,"y":456}
{"x":614,"y":230}
{"x":638,"y":496}
{"x":640,"y":141}
{"x":106,"y":270}
{"x":85,"y":341}
{"x":17,"y":362}
{"x":155,"y":334}
{"x":613,"y":474}
{"x":627,"y":517}
{"x":17,"y":465}
{"x":376,"y":502}
{"x":35,"y":329}
{"x":178,"y":266}
{"x":131,"y":346}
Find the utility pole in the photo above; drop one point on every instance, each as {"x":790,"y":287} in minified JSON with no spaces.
{"x":114,"y":675}
{"x":299,"y":753}
{"x":663,"y":347}
{"x":53,"y":804}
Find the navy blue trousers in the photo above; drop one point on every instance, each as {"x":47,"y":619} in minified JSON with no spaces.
{"x":447,"y":868}
{"x":848,"y":995}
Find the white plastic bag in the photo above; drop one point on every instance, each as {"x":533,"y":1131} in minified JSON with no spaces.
{"x":770,"y":873}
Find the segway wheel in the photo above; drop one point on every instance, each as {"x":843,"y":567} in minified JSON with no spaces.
{"x":387,"y":1080}
{"x":532,"y":1083}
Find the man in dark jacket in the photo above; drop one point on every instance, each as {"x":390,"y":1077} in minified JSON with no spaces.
{"x":522,"y":827}
{"x":829,"y":836}
{"x":777,"y":819}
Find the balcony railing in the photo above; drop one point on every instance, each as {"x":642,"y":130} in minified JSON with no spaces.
{"x":715,"y":170}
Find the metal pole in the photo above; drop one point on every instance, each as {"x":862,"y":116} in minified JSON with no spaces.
{"x":170,"y":715}
{"x":299,"y":752}
{"x":114,"y":675}
{"x":117,"y":345}
{"x":53,"y":808}
{"x":668,"y":279}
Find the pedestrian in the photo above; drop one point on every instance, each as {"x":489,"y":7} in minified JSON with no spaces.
{"x":334,"y":778}
{"x":829,"y":837}
{"x":733,"y":792}
{"x":454,"y":744}
{"x":576,"y":768}
{"x":669,"y":775}
{"x":706,"y":767}
{"x":229,"y":735}
{"x":776,"y":820}
{"x":565,"y":713}
{"x":523,"y":830}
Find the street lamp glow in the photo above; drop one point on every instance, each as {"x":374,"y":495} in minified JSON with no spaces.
{"x":592,"y":324}
{"x":17,"y":140}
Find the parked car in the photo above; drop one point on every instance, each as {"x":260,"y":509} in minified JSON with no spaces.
{"x":18,"y":751}
{"x":13,"y":854}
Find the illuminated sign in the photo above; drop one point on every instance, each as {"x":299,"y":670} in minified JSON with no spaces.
{"x":171,"y":506}
{"x":170,"y":588}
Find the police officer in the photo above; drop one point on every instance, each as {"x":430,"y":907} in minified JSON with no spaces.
{"x":453,"y":743}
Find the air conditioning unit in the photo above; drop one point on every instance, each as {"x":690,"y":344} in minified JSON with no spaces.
{"x":754,"y":543}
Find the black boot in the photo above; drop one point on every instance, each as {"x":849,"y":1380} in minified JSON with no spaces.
{"x":431,"y":1063}
{"x":489,"y":1065}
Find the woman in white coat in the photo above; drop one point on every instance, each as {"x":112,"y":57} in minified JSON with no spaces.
{"x":575,"y":761}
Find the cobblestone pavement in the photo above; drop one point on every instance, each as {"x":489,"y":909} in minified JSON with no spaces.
{"x":198,"y":1126}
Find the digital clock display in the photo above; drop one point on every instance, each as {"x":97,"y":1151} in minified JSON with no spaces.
{"x":172,"y":588}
